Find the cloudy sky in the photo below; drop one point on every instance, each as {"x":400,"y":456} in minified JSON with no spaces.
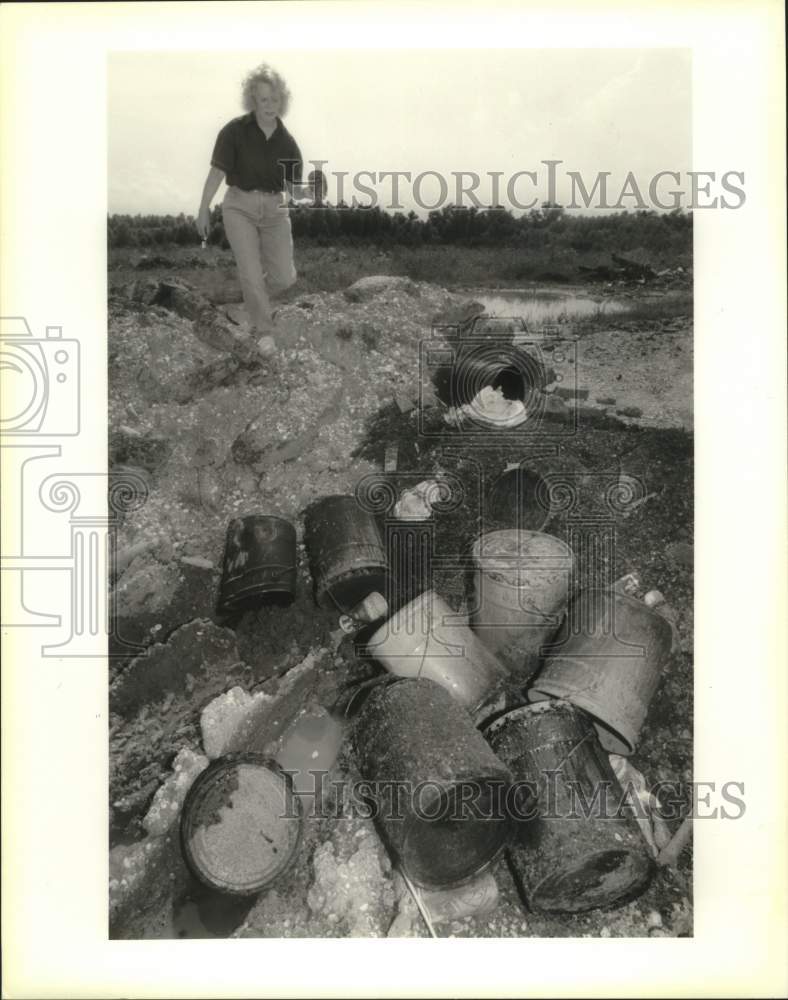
{"x":416,"y":110}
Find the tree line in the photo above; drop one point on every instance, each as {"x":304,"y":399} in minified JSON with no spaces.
{"x":547,"y":229}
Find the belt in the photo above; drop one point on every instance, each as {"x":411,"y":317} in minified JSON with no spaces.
{"x":258,"y":191}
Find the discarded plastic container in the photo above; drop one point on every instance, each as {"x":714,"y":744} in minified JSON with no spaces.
{"x":571,"y":850}
{"x":260,"y":563}
{"x":515,"y":501}
{"x":437,"y":790}
{"x":520,"y":591}
{"x":607,"y":659}
{"x":241,"y":824}
{"x":346,"y":554}
{"x":421,"y":641}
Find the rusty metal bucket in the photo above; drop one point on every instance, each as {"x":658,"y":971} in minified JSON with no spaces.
{"x":572,"y":851}
{"x":607,"y":660}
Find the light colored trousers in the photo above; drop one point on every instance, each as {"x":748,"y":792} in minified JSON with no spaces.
{"x":258,"y":229}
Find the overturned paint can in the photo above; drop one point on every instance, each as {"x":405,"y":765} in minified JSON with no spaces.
{"x":516,"y":501}
{"x":241,"y":824}
{"x":572,"y":850}
{"x":346,"y":554}
{"x":260,"y":563}
{"x":521,"y":585}
{"x":434,"y":786}
{"x":425,"y":638}
{"x":607,"y":659}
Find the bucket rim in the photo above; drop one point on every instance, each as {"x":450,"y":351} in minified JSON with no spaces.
{"x":216,"y":767}
{"x":562,"y":548}
{"x":625,"y":737}
{"x":549,"y":704}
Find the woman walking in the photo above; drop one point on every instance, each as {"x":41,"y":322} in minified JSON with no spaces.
{"x":261,"y":162}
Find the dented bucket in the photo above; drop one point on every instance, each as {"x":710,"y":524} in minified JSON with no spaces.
{"x":434,"y":786}
{"x":421,"y":640}
{"x":347,"y":558}
{"x":607,"y":659}
{"x":521,"y":584}
{"x":572,"y":850}
{"x":260,"y":563}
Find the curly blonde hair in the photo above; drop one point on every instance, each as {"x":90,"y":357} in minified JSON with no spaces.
{"x":265,"y":74}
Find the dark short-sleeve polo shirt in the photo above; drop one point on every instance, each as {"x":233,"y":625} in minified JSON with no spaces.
{"x":250,"y":160}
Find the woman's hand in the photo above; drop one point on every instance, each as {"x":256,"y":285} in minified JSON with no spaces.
{"x":204,"y":221}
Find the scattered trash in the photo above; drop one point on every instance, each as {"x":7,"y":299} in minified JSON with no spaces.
{"x":371,"y":609}
{"x":571,"y":855}
{"x":412,"y":740}
{"x":490,"y":406}
{"x":646,"y":810}
{"x":627,"y":585}
{"x":669,"y":855}
{"x":260,"y":563}
{"x":346,"y":554}
{"x":240,"y":824}
{"x":656,"y":600}
{"x":607,"y":659}
{"x":473,"y":898}
{"x":415,"y":504}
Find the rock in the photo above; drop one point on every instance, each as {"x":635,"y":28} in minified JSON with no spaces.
{"x":225,"y":720}
{"x":146,"y":586}
{"x":571,"y":393}
{"x":356,"y":891}
{"x":141,"y":292}
{"x":367,"y":288}
{"x":179,"y":297}
{"x":197,"y":561}
{"x":606,"y":400}
{"x":212,"y":329}
{"x":266,"y":345}
{"x":130,"y":447}
{"x":168,"y":800}
{"x":629,"y":411}
{"x":198,"y":648}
